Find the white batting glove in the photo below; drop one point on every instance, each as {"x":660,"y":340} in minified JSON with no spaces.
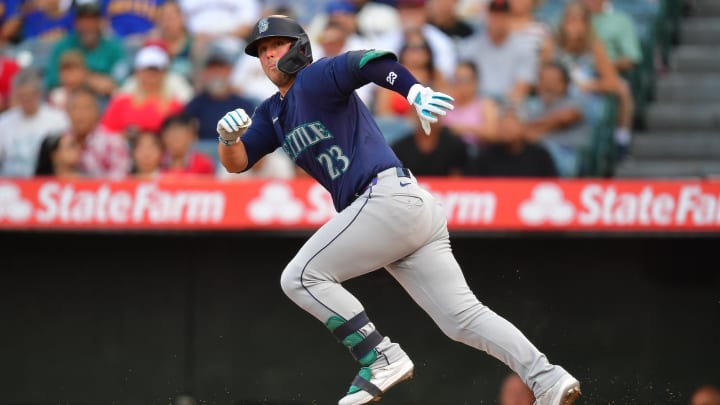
{"x":429,"y":104}
{"x":232,"y":125}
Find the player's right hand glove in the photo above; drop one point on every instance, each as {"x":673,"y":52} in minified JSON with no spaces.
{"x":429,"y":104}
{"x":232,"y":125}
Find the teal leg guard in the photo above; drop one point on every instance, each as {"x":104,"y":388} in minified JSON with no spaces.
{"x":348,"y":333}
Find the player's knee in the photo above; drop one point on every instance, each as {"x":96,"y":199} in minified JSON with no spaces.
{"x":453,"y":331}
{"x":290,"y":279}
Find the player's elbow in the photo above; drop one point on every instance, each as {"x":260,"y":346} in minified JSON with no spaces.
{"x":233,"y":167}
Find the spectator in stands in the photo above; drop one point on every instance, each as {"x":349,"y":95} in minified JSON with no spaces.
{"x":59,"y":156}
{"x":615,"y":29}
{"x":228,"y":21}
{"x":149,"y":103}
{"x":216,"y":96}
{"x":147,"y":154}
{"x":515,"y":392}
{"x":73,"y":74}
{"x":8,"y":69}
{"x":513,"y":155}
{"x":443,"y":15}
{"x":46,"y":20}
{"x":591,"y":70}
{"x":523,"y":23}
{"x":343,"y":13}
{"x":131,"y":21}
{"x":378,"y":23}
{"x":44,"y":23}
{"x":393,"y":113}
{"x":617,"y":32}
{"x":170,"y":29}
{"x":555,"y":119}
{"x":179,"y":134}
{"x":441,"y":153}
{"x":417,"y":56}
{"x":413,"y":17}
{"x":10,"y":22}
{"x":334,"y":40}
{"x":508,"y":66}
{"x":104,"y":56}
{"x":103,"y":154}
{"x":475,"y":117}
{"x":23,"y":127}
{"x":706,"y":395}
{"x":175,"y":85}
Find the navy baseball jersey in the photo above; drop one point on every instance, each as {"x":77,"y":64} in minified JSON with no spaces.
{"x":325,"y":128}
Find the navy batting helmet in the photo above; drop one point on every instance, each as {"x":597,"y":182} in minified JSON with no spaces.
{"x":297,"y":57}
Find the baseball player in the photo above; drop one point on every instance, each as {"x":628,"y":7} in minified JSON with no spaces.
{"x":385,"y":219}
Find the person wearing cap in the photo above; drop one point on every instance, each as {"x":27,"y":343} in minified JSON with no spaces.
{"x":384,"y":217}
{"x":508,"y":64}
{"x":149,"y":103}
{"x":216,"y":96}
{"x":176,"y":84}
{"x":104,"y":56}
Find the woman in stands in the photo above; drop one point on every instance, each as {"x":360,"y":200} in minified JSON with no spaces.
{"x":590,"y":67}
{"x":475,"y":118}
{"x":393,"y":113}
{"x":59,"y":156}
{"x":144,"y":107}
{"x":416,"y":55}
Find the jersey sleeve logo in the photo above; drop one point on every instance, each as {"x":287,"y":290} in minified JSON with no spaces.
{"x":391,"y":78}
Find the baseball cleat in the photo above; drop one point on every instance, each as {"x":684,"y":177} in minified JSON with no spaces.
{"x":370,"y":384}
{"x":564,"y":392}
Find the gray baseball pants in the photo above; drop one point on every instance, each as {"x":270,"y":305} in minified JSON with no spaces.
{"x":398,"y":225}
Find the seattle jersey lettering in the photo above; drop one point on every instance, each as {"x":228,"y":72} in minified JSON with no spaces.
{"x":303,"y":137}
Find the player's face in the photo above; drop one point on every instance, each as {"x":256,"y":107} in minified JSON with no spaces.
{"x":270,"y":50}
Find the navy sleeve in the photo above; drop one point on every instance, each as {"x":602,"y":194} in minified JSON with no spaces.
{"x":259,"y":140}
{"x":385,"y":72}
{"x":371,"y":66}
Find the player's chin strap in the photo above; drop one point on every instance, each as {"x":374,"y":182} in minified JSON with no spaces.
{"x":348,"y":332}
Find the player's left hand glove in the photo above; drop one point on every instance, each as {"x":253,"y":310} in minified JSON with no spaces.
{"x":429,"y":104}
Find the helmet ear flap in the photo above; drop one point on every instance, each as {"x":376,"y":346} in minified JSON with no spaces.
{"x":297,"y":57}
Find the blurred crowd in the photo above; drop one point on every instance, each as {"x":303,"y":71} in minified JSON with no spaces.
{"x":134,"y":88}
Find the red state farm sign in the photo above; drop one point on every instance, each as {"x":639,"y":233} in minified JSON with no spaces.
{"x":302,"y":204}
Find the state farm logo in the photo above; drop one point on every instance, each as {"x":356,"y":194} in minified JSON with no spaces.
{"x":547,"y":204}
{"x":13,"y":206}
{"x":276,"y":202}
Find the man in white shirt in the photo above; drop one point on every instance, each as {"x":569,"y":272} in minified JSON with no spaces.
{"x":508,"y":65}
{"x":23,"y":127}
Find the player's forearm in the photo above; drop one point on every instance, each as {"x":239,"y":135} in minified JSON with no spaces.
{"x":389,"y":74}
{"x":234,"y":157}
